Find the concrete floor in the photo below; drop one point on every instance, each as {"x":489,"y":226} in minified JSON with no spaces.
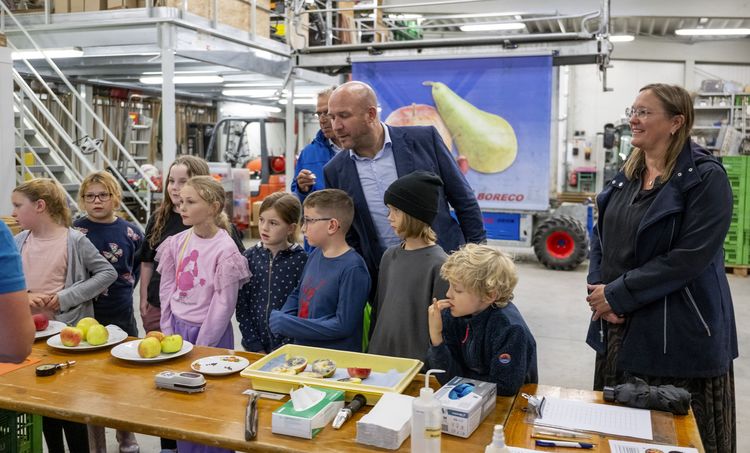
{"x":552,"y":302}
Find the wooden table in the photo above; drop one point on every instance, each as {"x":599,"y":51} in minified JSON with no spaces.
{"x":518,"y":432}
{"x":103,"y":390}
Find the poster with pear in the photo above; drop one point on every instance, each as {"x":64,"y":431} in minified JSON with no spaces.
{"x":494,"y":115}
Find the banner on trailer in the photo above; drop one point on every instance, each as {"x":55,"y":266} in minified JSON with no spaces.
{"x":493,"y":113}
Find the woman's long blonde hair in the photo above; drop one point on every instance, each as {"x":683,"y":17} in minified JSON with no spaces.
{"x":53,"y":195}
{"x":675,"y":100}
{"x":195,"y":167}
{"x":211,"y":191}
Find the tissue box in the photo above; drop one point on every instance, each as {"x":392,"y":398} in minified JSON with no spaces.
{"x":466,"y":402}
{"x":307,"y":423}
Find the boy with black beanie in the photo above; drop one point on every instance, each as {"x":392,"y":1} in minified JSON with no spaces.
{"x":409,"y":276}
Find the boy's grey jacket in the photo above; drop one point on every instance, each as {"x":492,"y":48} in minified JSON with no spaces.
{"x":88,"y":275}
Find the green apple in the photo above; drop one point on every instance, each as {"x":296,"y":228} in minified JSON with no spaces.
{"x":85,"y":323}
{"x":149,"y":348}
{"x":171,"y":344}
{"x":97,"y":334}
{"x":71,"y":336}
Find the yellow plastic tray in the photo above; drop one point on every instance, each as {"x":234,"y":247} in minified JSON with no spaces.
{"x":283,"y":383}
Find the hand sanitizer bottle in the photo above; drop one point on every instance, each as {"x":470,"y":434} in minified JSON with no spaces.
{"x":498,"y":442}
{"x":426,"y":419}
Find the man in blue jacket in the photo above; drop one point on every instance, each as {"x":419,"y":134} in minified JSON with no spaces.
{"x":309,"y":168}
{"x":376,"y":156}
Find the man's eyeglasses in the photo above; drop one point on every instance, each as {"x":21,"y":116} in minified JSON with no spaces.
{"x":308,"y":220}
{"x":639,"y":113}
{"x":321,"y":115}
{"x":90,"y":197}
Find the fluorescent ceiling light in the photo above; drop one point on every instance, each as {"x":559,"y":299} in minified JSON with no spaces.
{"x":199,"y":71}
{"x":266,"y":85}
{"x":263,"y":108}
{"x":493,"y":27}
{"x":253,"y":93}
{"x":712,"y":32}
{"x":184,"y":80}
{"x":50,"y":53}
{"x":621,"y":38}
{"x":300,"y":101}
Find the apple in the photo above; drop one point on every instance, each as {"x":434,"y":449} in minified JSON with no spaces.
{"x":171,"y":344}
{"x":361,"y":373}
{"x":155,"y":333}
{"x":420,"y":115}
{"x":149,"y":348}
{"x":40,"y":321}
{"x":97,"y":334}
{"x":71,"y":336}
{"x":85,"y":323}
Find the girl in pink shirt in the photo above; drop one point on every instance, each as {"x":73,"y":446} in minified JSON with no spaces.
{"x":201,"y":268}
{"x":201,"y":273}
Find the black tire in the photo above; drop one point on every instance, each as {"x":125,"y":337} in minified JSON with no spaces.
{"x":561,"y":243}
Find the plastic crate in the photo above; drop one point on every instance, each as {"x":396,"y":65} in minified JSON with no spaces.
{"x":20,"y":432}
{"x":731,"y":257}
{"x":735,"y":165}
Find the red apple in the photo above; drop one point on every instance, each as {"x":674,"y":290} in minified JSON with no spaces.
{"x":420,"y":115}
{"x":361,"y":373}
{"x":40,"y":322}
{"x":71,"y":336}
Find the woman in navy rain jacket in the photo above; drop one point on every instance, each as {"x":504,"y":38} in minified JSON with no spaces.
{"x":657,"y":287}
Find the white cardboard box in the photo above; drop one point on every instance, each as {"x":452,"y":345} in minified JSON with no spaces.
{"x":466,"y":402}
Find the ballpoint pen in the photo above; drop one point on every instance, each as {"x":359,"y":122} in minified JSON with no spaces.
{"x":544,"y":431}
{"x":560,"y":443}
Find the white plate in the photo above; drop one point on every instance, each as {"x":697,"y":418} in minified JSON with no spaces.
{"x":219,"y":365}
{"x":116,"y":335}
{"x":129,"y":351}
{"x":53,"y":328}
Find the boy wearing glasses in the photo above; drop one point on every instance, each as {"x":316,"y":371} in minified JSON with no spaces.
{"x":326,"y":308}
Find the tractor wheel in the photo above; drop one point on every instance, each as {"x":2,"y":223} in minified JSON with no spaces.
{"x":560,"y":243}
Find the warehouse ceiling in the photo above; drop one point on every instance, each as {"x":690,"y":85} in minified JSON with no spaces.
{"x":122,"y":47}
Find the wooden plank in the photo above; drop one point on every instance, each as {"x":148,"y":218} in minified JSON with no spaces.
{"x":668,"y":429}
{"x":740,"y":271}
{"x":3,"y":41}
{"x":101,"y":389}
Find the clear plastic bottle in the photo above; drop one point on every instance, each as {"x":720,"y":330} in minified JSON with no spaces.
{"x":498,"y":442}
{"x":426,"y":419}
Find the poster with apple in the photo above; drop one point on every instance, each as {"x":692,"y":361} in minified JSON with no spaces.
{"x":493,"y":114}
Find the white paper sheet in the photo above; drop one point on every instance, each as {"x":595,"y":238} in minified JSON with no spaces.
{"x":621,"y":446}
{"x":601,"y":418}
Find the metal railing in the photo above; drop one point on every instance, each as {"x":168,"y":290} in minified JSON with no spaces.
{"x":145,"y":205}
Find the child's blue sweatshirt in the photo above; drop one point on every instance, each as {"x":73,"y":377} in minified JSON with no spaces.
{"x":492,"y":346}
{"x":274,"y":277}
{"x":326,"y":309}
{"x":118,"y":242}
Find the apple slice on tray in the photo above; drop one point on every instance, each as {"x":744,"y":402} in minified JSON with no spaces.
{"x":74,"y":339}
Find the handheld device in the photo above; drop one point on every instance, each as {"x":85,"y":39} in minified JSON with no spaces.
{"x":50,"y":369}
{"x":185,"y":381}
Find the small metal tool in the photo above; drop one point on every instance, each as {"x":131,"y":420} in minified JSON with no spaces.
{"x":51,"y":368}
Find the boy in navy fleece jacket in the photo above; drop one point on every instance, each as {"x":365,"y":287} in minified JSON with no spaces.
{"x":326,"y":308}
{"x":483,"y":335}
